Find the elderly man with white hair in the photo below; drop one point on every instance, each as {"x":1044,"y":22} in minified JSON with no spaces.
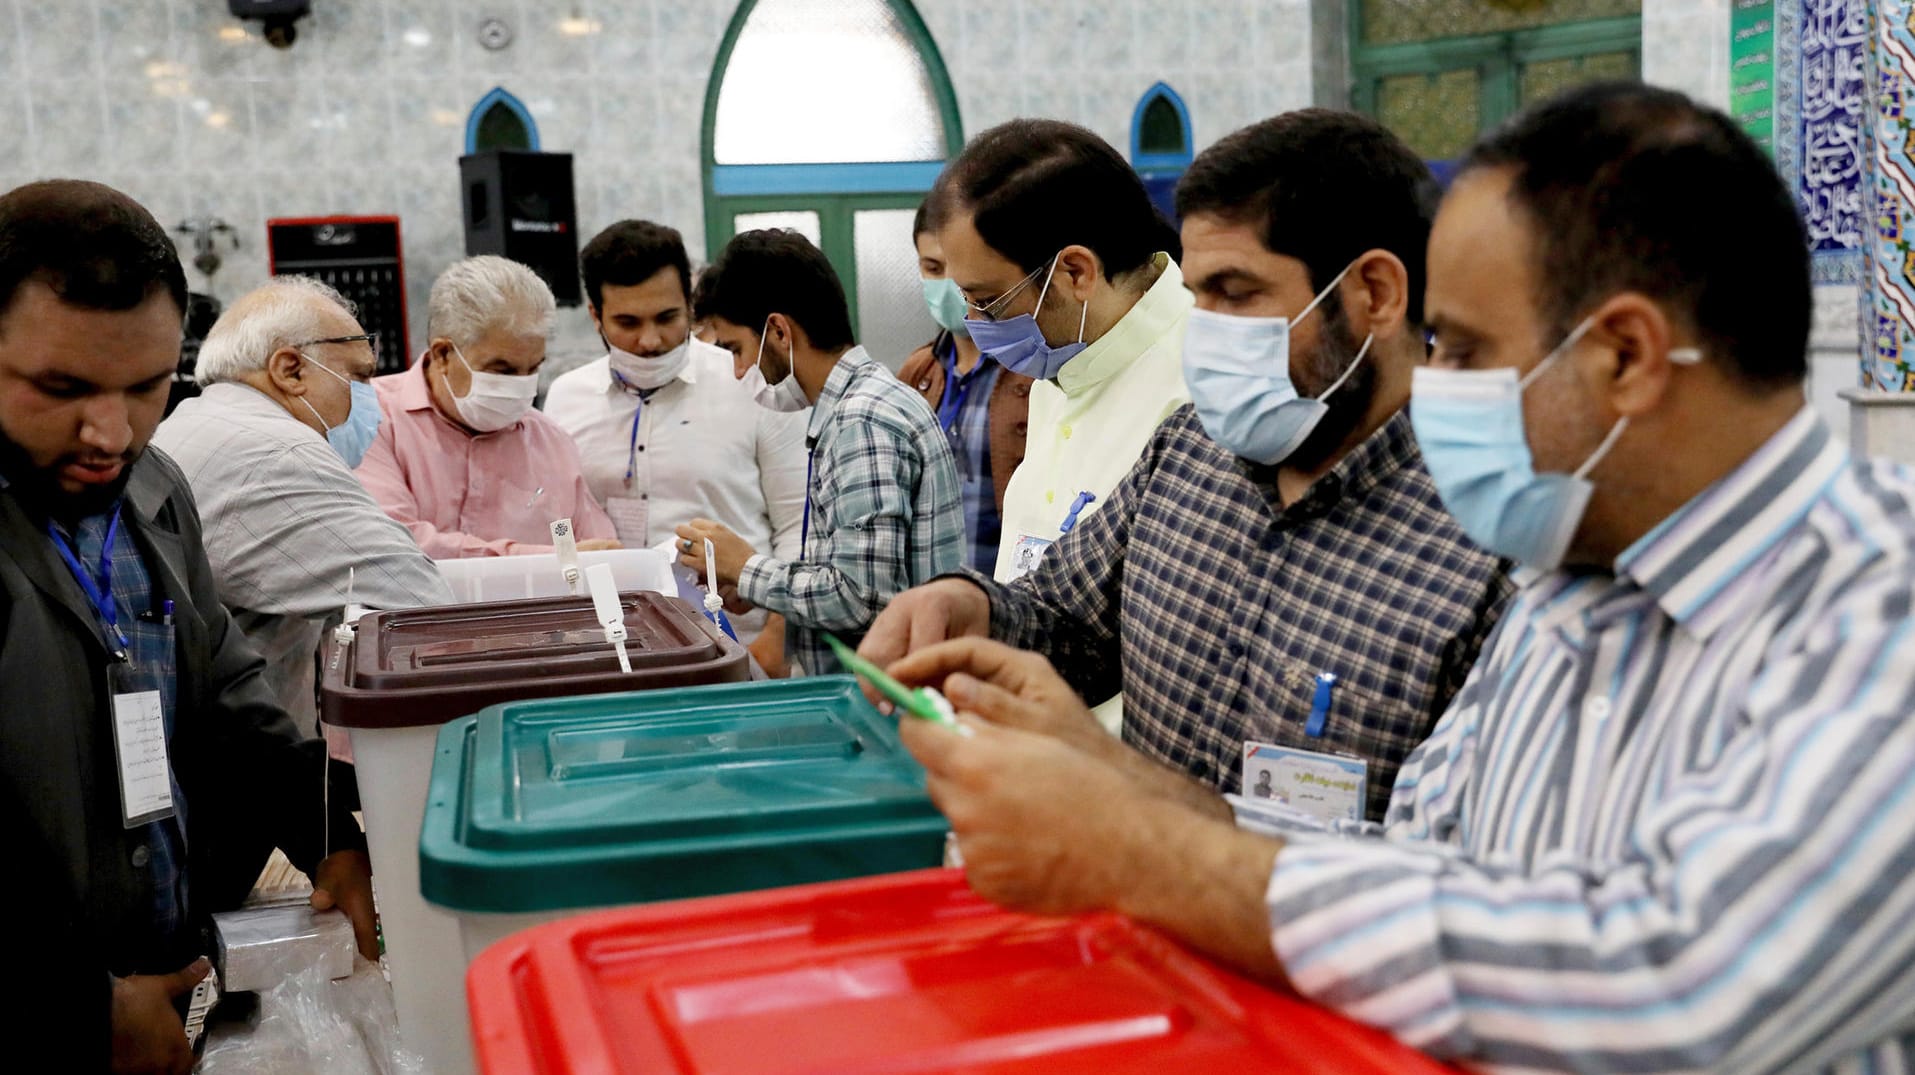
{"x":267,"y":448}
{"x":462,"y":459}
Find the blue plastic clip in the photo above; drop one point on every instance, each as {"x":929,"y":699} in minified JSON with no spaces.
{"x":1084,"y":499}
{"x":1320,"y":705}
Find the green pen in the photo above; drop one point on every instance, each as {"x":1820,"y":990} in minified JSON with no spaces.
{"x":922,"y":703}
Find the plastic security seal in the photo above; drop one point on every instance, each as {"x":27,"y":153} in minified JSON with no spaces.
{"x":714,"y":604}
{"x":611,"y":614}
{"x":566,"y":545}
{"x":342,"y":634}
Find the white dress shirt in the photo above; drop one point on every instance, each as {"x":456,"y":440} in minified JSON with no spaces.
{"x":701,"y":448}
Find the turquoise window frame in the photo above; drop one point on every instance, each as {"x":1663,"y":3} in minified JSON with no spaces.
{"x":835,"y":191}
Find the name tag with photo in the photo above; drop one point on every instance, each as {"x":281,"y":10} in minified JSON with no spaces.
{"x":1330,"y":787}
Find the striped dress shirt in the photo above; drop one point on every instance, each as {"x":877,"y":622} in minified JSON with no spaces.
{"x":1669,"y":822}
{"x":882,"y":513}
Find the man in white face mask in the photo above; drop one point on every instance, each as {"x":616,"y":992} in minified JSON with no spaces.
{"x":462,"y":459}
{"x":667,"y":433}
{"x":882,"y":511}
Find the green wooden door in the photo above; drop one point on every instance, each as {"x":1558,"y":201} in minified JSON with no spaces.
{"x":1441,"y":72}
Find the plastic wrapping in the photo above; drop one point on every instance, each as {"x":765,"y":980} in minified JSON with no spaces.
{"x":311,"y":1024}
{"x":259,"y":946}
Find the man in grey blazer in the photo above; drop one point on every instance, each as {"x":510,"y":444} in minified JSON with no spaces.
{"x":145,"y":770}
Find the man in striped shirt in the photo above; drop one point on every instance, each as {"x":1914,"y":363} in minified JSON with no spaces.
{"x":1669,"y":821}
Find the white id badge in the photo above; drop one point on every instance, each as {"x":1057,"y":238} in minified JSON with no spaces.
{"x":1329,"y":787}
{"x":139,"y":746}
{"x":1027,"y":554}
{"x":631,"y":517}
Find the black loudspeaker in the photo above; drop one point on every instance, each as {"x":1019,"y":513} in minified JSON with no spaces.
{"x":359,"y":256}
{"x":519,"y":205}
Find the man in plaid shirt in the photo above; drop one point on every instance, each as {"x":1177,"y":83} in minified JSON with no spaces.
{"x":1260,"y":578}
{"x":882,"y":508}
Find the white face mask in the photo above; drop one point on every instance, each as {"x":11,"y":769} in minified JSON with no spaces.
{"x":494,"y":400}
{"x":785,"y":396}
{"x":647,"y":372}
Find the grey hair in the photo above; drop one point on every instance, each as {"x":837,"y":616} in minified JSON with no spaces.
{"x":485,"y":294}
{"x":283,"y":312}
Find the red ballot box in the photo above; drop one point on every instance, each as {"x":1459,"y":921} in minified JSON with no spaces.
{"x":907,"y":972}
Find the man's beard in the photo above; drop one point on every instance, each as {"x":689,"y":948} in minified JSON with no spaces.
{"x":38,"y":489}
{"x":1336,"y":347}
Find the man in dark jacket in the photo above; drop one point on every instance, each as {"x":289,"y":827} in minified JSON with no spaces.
{"x":144,"y":765}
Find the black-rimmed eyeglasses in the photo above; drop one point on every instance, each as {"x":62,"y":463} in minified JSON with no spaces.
{"x":371,"y":338}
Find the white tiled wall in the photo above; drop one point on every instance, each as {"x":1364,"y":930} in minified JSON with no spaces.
{"x":1685,"y":46}
{"x":190,"y":111}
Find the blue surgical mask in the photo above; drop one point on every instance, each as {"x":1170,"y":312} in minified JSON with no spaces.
{"x":352,"y":437}
{"x":1019,"y":346}
{"x":946,"y":303}
{"x":1469,"y":424}
{"x":1238,"y":373}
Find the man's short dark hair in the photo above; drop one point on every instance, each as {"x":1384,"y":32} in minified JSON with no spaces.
{"x":1036,"y":186}
{"x":631,"y":252}
{"x":93,"y":246}
{"x":1631,"y":188}
{"x":1324,"y":186}
{"x":776,"y":271}
{"x":929,"y":217}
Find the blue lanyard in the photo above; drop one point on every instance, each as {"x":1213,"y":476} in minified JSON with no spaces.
{"x":804,"y":531}
{"x":98,"y":588}
{"x":631,"y":449}
{"x":1084,"y":499}
{"x":957,"y":388}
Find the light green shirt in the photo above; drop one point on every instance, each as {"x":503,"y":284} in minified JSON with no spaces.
{"x":1088,"y":428}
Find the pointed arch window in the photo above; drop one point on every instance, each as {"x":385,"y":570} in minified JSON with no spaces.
{"x":1160,"y":132}
{"x":500,"y":121}
{"x":1160,"y":145}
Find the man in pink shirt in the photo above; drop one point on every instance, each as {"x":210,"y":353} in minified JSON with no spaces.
{"x":462,"y":459}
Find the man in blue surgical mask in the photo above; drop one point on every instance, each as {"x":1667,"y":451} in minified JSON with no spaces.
{"x":268,"y":446}
{"x":1667,"y":823}
{"x":1068,"y":275}
{"x":1276,"y":573}
{"x":983,"y":408}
